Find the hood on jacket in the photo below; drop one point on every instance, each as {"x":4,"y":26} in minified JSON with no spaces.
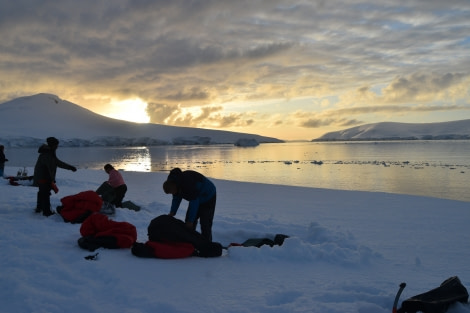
{"x":44,"y":148}
{"x":175,"y":175}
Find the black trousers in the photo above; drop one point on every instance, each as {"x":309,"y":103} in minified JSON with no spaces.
{"x":112,"y":195}
{"x":119,"y":193}
{"x":205,"y":215}
{"x":44,"y":198}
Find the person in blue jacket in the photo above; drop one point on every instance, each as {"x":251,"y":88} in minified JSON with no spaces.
{"x":201,"y":194}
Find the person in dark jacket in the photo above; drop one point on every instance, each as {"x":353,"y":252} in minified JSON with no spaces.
{"x":3,"y":159}
{"x":44,"y":174}
{"x":201,"y":194}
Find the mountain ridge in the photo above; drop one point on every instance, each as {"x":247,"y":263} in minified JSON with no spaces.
{"x":27,"y":121}
{"x":402,"y":131}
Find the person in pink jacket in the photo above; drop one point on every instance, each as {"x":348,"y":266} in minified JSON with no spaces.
{"x":114,"y":189}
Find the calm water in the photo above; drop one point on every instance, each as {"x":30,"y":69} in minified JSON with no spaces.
{"x":430,"y":168}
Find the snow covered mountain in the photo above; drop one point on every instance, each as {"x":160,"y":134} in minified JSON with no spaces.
{"x":402,"y":131}
{"x":28,"y":121}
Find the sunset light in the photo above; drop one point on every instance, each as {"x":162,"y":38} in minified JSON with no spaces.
{"x":132,"y":110}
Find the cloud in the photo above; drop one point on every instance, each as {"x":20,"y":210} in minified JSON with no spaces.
{"x":207,"y":116}
{"x":193,"y":93}
{"x":189,"y":59}
{"x":159,"y":112}
{"x":420,"y":86}
{"x":342,"y":117}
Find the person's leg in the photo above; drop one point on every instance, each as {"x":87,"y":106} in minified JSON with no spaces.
{"x":102,"y":188}
{"x":106,"y":192}
{"x":38,"y":205}
{"x":206,"y":216}
{"x":195,"y":221}
{"x":120,"y":192}
{"x":44,"y":200}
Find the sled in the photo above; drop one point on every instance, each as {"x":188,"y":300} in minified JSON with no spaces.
{"x":437,"y":300}
{"x":20,"y":180}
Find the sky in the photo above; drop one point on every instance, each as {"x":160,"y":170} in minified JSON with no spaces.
{"x":285,"y":69}
{"x":347,"y":251}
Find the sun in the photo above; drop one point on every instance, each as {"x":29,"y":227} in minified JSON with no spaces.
{"x":132,"y":110}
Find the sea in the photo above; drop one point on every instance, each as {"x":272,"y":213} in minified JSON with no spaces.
{"x":434,"y":168}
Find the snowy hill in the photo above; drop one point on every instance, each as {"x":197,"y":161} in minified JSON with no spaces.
{"x":402,"y":131}
{"x":27,"y":121}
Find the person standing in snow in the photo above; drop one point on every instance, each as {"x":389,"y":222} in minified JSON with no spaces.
{"x":3,"y":159}
{"x":114,"y":189}
{"x":201,"y":194}
{"x":44,"y":174}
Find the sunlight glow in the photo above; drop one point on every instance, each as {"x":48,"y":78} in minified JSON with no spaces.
{"x":138,"y":160}
{"x":132,"y":110}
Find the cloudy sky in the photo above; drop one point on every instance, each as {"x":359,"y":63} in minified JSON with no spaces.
{"x":287,"y":69}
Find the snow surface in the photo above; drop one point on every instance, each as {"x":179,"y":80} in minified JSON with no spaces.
{"x":27,"y":121}
{"x":403,"y":131}
{"x":348,"y":251}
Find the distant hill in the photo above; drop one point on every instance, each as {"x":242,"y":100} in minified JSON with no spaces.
{"x":28,"y":121}
{"x":402,"y":131}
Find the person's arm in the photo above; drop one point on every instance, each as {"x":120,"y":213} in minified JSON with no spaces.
{"x":65,"y":166}
{"x":192,"y":210}
{"x":175,"y":204}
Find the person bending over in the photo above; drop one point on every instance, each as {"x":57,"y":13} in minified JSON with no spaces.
{"x":201,"y":194}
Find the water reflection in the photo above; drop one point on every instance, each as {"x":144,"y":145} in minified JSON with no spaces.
{"x":439,"y":169}
{"x":135,"y":159}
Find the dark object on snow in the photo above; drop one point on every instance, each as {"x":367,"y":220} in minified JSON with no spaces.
{"x":166,"y":228}
{"x":142,"y":250}
{"x":437,"y":300}
{"x":170,"y":238}
{"x":130,"y":205}
{"x":258,"y":242}
{"x":92,"y":257}
{"x":92,"y":243}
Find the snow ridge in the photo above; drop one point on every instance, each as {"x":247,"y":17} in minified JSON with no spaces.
{"x":402,"y":131}
{"x":27,"y":121}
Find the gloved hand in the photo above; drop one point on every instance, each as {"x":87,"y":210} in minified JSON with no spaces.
{"x":54,"y":187}
{"x":73,"y":169}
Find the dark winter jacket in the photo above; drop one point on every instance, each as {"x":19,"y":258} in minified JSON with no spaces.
{"x":3,"y":159}
{"x":165,"y":228}
{"x":193,"y":187}
{"x":46,"y":165}
{"x":169,"y":238}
